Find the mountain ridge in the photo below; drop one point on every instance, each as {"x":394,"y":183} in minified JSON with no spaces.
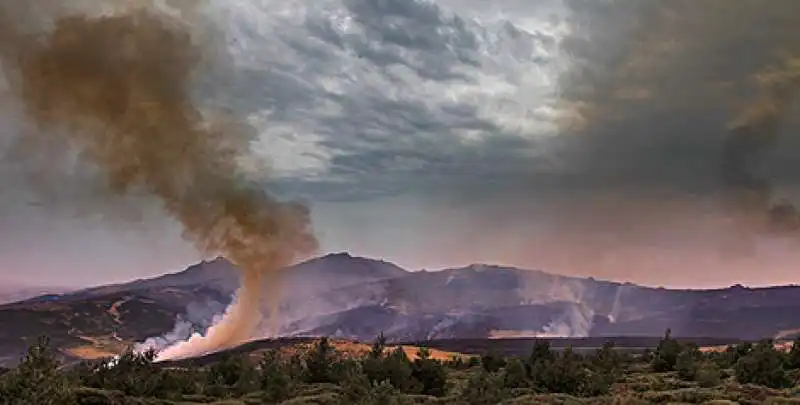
{"x":345,"y":296}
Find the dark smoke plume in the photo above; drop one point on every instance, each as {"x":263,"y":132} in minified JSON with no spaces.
{"x":675,"y":74}
{"x":116,"y":87}
{"x":756,"y":129}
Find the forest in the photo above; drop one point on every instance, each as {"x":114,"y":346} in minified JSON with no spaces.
{"x":673,"y":372}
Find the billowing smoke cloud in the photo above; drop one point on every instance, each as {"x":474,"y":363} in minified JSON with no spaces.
{"x":198,"y":318}
{"x":688,"y":98}
{"x":116,"y":87}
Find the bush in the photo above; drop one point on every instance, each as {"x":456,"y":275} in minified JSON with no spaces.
{"x":233,"y":376}
{"x":564,"y":374}
{"x":457,"y":362}
{"x":686,"y":366}
{"x":379,"y":394}
{"x":763,"y":365}
{"x":708,"y":375}
{"x":492,"y":362}
{"x":515,"y":375}
{"x":647,"y":356}
{"x":483,"y":388}
{"x":793,"y":357}
{"x":596,"y":383}
{"x":736,"y":352}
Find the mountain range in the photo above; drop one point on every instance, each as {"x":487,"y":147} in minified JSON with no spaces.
{"x":357,"y":298}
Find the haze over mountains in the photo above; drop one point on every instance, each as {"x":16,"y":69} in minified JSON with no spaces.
{"x":352,"y":297}
{"x":13,"y":292}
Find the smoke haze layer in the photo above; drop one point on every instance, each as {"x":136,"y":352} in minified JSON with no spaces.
{"x":115,"y":87}
{"x":675,"y":111}
{"x":639,"y":63}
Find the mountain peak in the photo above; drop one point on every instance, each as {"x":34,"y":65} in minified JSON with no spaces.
{"x":480,"y":267}
{"x":344,"y":261}
{"x":346,"y":257}
{"x":214,"y":260}
{"x":339,"y":255}
{"x":484,"y":267}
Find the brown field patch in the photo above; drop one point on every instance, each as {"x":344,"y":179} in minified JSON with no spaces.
{"x":356,"y":349}
{"x":88,"y":352}
{"x":782,"y":346}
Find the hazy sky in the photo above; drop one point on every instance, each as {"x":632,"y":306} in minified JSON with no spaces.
{"x":581,"y":137}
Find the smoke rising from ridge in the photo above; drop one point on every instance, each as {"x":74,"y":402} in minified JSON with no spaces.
{"x":116,"y":87}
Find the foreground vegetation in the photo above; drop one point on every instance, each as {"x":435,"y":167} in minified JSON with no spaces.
{"x":671,"y":373}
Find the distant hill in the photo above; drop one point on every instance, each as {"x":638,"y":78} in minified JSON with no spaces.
{"x":13,"y":292}
{"x":357,"y":298}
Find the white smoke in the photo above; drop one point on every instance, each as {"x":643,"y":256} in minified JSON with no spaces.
{"x":445,"y":323}
{"x":574,"y":322}
{"x":181,"y":331}
{"x":613,"y":316}
{"x":198,"y":316}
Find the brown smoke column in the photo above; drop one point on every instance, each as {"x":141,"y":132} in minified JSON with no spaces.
{"x":116,"y":87}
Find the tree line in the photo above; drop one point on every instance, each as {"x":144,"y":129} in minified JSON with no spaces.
{"x":383,"y":375}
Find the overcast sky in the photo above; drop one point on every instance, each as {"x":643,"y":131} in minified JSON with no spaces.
{"x":579,"y":137}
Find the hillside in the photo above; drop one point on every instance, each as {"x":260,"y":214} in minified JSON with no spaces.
{"x":357,"y":298}
{"x":486,"y":302}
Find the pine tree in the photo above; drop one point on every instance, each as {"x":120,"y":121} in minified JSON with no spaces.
{"x":378,"y":347}
{"x":319,"y":363}
{"x":275,"y":378}
{"x":430,"y":373}
{"x":37,"y":379}
{"x":666,"y":354}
